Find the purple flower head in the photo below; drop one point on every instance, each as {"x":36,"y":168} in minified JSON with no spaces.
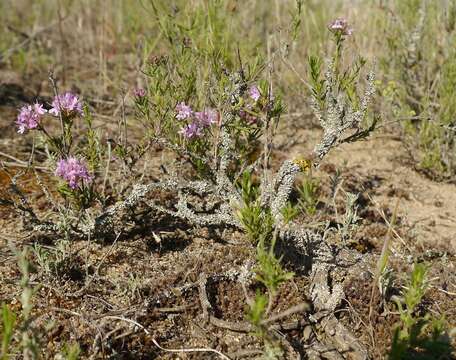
{"x":254,"y":93}
{"x":29,"y":117}
{"x":73,"y":171}
{"x":140,"y":92}
{"x":183,"y":111}
{"x":207,"y":117}
{"x":341,"y":26}
{"x":192,"y":130}
{"x":67,"y":104}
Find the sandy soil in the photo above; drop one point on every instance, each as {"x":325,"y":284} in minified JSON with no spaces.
{"x":95,"y":285}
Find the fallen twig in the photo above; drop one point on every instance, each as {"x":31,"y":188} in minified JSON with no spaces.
{"x":183,"y":350}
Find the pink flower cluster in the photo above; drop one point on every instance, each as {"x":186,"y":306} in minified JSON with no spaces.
{"x":139,"y":92}
{"x":207,"y":117}
{"x":341,"y":26}
{"x":199,"y":120}
{"x":73,"y":171}
{"x":246,"y":114}
{"x":29,"y":117}
{"x":254,"y":93}
{"x":183,"y":111}
{"x":192,"y":130}
{"x":67,"y":104}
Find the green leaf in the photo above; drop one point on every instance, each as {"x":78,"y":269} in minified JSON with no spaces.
{"x":9,"y":320}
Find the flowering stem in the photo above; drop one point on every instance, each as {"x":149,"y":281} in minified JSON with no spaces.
{"x":337,"y":56}
{"x":217,"y":137}
{"x":62,"y":125}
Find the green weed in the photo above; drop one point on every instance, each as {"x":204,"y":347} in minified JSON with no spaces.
{"x":418,"y":336}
